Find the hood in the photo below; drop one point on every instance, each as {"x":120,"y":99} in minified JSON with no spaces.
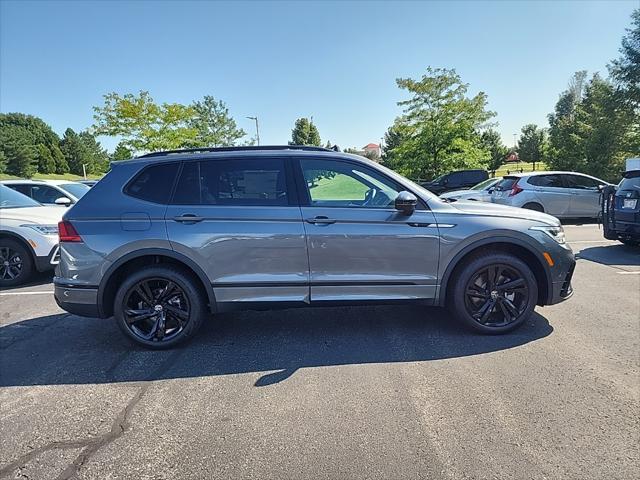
{"x":495,"y":210}
{"x":39,"y":215}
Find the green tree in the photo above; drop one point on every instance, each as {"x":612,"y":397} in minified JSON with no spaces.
{"x":625,"y":71}
{"x":121,"y":153}
{"x":75,"y":151}
{"x":305,"y":133}
{"x":213,"y":124}
{"x":3,"y":162}
{"x":58,"y":157}
{"x":593,"y":134}
{"x":46,"y":163}
{"x":21,"y":155}
{"x":29,"y":131}
{"x":97,"y":157}
{"x":495,"y":150}
{"x":144,"y":125}
{"x":440,"y":125}
{"x":532,"y":145}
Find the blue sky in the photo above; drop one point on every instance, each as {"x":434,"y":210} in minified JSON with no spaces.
{"x":335,"y":61}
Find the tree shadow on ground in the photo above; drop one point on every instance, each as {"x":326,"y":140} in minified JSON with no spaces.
{"x":66,"y":349}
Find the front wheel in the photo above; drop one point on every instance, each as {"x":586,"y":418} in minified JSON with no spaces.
{"x":160,"y":306}
{"x":494,"y":293}
{"x":16,"y":265}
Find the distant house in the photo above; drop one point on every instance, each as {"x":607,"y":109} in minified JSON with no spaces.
{"x":373,"y":148}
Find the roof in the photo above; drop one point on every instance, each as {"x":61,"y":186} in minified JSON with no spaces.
{"x":371,"y":145}
{"x":37,"y":181}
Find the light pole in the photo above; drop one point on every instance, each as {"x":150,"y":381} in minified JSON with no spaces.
{"x":257,"y":129}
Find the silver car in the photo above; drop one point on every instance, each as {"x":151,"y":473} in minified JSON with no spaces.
{"x":480,"y":192}
{"x":561,"y":194}
{"x":168,"y":239}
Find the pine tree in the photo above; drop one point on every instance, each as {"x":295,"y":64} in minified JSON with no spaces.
{"x":46,"y":163}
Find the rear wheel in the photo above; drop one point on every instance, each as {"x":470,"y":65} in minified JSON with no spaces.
{"x":160,"y":306}
{"x":494,"y":293}
{"x":16,"y":264}
{"x":533,"y":206}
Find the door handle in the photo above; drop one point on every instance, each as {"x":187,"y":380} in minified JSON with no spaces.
{"x":321,"y":220}
{"x":420,"y":225}
{"x":188,"y":218}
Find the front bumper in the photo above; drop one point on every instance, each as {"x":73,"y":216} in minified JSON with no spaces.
{"x":561,"y":276}
{"x":81,"y":301}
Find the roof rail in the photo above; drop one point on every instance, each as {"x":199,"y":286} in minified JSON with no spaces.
{"x":239,"y":149}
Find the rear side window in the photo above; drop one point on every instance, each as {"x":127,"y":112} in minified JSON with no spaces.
{"x":249,"y":182}
{"x":546,"y":181}
{"x":506,"y":183}
{"x":154,"y":183}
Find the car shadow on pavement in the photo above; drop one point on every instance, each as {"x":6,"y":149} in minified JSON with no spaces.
{"x":66,"y":349}
{"x":615,"y":254}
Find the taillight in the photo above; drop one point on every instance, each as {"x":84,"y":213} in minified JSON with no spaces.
{"x":515,"y":189}
{"x":67,"y":232}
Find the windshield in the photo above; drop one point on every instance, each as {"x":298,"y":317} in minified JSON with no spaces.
{"x":488,"y":183}
{"x":75,"y":189}
{"x":11,"y":199}
{"x":438,"y":179}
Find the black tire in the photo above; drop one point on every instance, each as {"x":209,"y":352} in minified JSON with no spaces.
{"x":184,"y":306}
{"x":534,"y":206}
{"x":470,"y":298}
{"x":16,"y":263}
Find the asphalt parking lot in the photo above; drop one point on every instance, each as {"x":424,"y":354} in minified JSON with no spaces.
{"x":366,"y":392}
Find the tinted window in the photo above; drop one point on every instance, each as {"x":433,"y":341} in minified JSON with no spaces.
{"x":333,"y":183}
{"x":474,"y":176}
{"x":75,"y":189}
{"x":154,"y":183}
{"x":456,"y":178}
{"x":12,"y":199}
{"x":546,"y":181}
{"x":630,"y":182}
{"x":24,"y":189}
{"x":578,"y":181}
{"x":257,"y":182}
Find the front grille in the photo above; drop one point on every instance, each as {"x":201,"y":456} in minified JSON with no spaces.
{"x":566,"y":285}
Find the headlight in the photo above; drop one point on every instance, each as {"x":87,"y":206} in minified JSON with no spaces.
{"x":43,"y":229}
{"x":557,"y":233}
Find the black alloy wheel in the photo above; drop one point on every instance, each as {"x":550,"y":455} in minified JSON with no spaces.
{"x":10,"y":264}
{"x":159,"y":306}
{"x":16,"y":264}
{"x":496,"y":296}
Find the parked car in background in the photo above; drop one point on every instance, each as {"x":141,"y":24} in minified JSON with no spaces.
{"x":49,"y":192}
{"x":458,"y":180}
{"x":480,"y":192}
{"x":165,"y":240}
{"x":28,"y":237}
{"x":561,"y":194}
{"x":621,"y":207}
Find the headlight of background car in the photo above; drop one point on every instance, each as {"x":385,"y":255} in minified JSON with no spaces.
{"x":557,"y":233}
{"x":43,"y":229}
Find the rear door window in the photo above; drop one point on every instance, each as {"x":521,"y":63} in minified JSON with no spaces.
{"x":250,"y":182}
{"x":546,"y":181}
{"x":46,"y":194}
{"x":506,"y":183}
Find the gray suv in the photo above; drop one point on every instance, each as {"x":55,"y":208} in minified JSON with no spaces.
{"x":169,"y":238}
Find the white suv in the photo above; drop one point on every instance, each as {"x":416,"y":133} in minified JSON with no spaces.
{"x":28,"y":237}
{"x":50,"y":192}
{"x":561,"y":194}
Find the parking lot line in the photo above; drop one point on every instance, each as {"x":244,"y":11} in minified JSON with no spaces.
{"x":629,"y":273}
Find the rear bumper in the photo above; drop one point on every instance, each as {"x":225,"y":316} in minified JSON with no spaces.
{"x":81,"y":301}
{"x":630,"y":230}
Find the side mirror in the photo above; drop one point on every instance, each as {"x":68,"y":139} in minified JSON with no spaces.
{"x":63,"y":201}
{"x":406,"y":202}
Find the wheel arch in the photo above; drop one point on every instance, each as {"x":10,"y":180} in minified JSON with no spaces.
{"x":514,"y":246}
{"x":21,"y":240}
{"x":148,"y":256}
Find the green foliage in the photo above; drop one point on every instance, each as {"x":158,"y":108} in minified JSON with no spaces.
{"x":305,"y":133}
{"x":213,"y":124}
{"x":97,"y":157}
{"x":32,"y":140}
{"x":495,"y":150}
{"x":626,"y":70}
{"x":121,"y":153}
{"x":74,"y":150}
{"x":144,"y":125}
{"x":46,"y":163}
{"x":440,"y":128}
{"x":61,"y":164}
{"x":532,"y":145}
{"x":592,"y":133}
{"x":3,"y":162}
